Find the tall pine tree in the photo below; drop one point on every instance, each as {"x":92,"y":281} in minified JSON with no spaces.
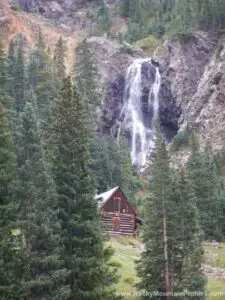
{"x":11,"y":250}
{"x":59,"y":59}
{"x":186,"y":241}
{"x":206,"y":184}
{"x":11,"y":60}
{"x":82,"y":251}
{"x":19,"y":78}
{"x":154,"y":267}
{"x":37,"y":214}
{"x":172,"y":260}
{"x":86,"y":79}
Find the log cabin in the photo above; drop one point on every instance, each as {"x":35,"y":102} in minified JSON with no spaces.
{"x":118,"y":216}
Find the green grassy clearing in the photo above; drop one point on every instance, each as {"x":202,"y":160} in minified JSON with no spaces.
{"x":215,"y":257}
{"x":215,"y":286}
{"x":127,"y":252}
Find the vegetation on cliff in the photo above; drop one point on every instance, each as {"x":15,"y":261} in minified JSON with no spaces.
{"x":171,"y":17}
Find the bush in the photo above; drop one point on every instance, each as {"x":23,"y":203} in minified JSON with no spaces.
{"x":116,"y":264}
{"x":148,"y":44}
{"x":134,"y":32}
{"x":127,"y":241}
{"x":15,"y":7}
{"x":130,"y":280}
{"x":181,"y":140}
{"x":126,"y":48}
{"x":184,"y":36}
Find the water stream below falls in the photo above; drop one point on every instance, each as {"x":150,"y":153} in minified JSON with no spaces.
{"x":140,"y":108}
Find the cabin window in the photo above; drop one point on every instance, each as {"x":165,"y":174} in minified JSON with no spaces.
{"x":116,"y":204}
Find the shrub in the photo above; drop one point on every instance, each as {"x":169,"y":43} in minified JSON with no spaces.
{"x":181,"y":140}
{"x":126,"y":48}
{"x":148,"y":44}
{"x":15,"y":7}
{"x":116,"y":264}
{"x":128,"y":241}
{"x":130,"y":280}
{"x":134,"y":32}
{"x":184,"y":36}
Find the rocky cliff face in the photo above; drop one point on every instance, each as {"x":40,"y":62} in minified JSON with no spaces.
{"x":206,"y":109}
{"x":51,"y":9}
{"x":71,"y":14}
{"x":193,"y":72}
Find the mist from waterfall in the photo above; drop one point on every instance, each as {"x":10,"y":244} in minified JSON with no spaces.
{"x":140,"y":124}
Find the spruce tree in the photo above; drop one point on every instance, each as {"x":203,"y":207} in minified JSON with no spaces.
{"x":40,"y":44}
{"x":205,"y":180}
{"x":19,"y":79}
{"x":59,"y":59}
{"x":45,"y":94}
{"x":172,"y":260}
{"x":43,"y":87}
{"x":36,"y":62}
{"x":86,"y":79}
{"x":32,"y":69}
{"x":117,"y":167}
{"x":11,"y":246}
{"x":213,"y":214}
{"x":38,"y":220}
{"x":2,"y":67}
{"x":154,"y":267}
{"x":186,"y":241}
{"x":3,"y":76}
{"x":45,"y":90}
{"x":82,"y":251}
{"x":130,"y":177}
{"x":103,"y":19}
{"x":11,"y":60}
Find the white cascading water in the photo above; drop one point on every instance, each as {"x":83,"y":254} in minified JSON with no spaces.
{"x":142,"y":132}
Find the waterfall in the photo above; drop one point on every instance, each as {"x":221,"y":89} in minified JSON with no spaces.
{"x":140,"y":108}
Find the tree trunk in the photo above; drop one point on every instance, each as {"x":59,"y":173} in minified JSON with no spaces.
{"x":165,"y":241}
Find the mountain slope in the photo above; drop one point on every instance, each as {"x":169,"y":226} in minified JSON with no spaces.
{"x":192,"y":67}
{"x":14,"y":22}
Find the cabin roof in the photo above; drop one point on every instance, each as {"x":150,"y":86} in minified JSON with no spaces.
{"x":102,"y":198}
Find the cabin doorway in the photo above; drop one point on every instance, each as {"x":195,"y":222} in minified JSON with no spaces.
{"x":116,"y":226}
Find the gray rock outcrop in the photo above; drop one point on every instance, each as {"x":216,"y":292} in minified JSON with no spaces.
{"x":193,"y":72}
{"x":48,"y":8}
{"x":75,"y":14}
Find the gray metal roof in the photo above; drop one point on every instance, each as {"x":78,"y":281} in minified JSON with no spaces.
{"x":102,"y":198}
